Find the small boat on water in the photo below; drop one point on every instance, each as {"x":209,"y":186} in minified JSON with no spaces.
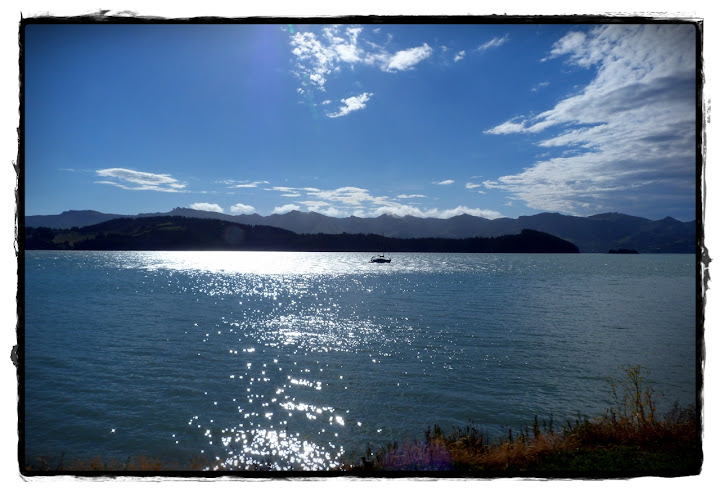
{"x":380,"y":259}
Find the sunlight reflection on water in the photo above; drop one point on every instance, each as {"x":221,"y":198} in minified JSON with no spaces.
{"x":288,"y":305}
{"x":252,"y":262}
{"x":303,"y":263}
{"x":300,"y":360}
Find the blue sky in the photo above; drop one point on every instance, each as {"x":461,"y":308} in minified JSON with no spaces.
{"x":424,"y":120}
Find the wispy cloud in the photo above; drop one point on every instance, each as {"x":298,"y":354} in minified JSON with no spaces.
{"x":140,"y":181}
{"x":404,"y":60}
{"x":317,"y":56}
{"x":281,"y":210}
{"x":405,"y":210}
{"x":539,"y":86}
{"x":493,"y":43}
{"x":349,"y":196}
{"x":350,"y":200}
{"x":207,"y":207}
{"x":320,"y":56}
{"x":631,"y":129}
{"x":444,"y":183}
{"x":247,"y":184}
{"x":242,"y":209}
{"x":459,"y":56}
{"x":474,"y":187}
{"x":351,"y":104}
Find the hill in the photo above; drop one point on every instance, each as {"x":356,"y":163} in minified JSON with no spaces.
{"x":597,"y":233}
{"x":183,"y":233}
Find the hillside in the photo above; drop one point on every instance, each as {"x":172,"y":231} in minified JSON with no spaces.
{"x":182,"y":233}
{"x":597,"y":233}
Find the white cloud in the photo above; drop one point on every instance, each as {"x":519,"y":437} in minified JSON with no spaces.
{"x":242,"y":209}
{"x":539,"y":86}
{"x":493,"y":43}
{"x":351,"y":104}
{"x":284,"y":189}
{"x":631,"y":129}
{"x":281,"y":210}
{"x":406,"y":59}
{"x":246,"y":184}
{"x":320,"y":56}
{"x":314,"y":204}
{"x":474,"y":187}
{"x":329,"y":211}
{"x":140,"y":181}
{"x":506,"y":128}
{"x":350,"y":200}
{"x":349,"y":196}
{"x":571,"y":44}
{"x":207,"y":207}
{"x":405,"y":210}
{"x":459,"y":56}
{"x":445,"y":182}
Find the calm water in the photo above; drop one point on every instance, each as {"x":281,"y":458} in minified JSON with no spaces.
{"x":306,"y":358}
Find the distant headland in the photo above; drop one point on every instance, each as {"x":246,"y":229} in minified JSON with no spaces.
{"x":183,"y":233}
{"x":597,"y":233}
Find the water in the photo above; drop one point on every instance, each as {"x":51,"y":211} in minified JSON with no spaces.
{"x":305,"y":359}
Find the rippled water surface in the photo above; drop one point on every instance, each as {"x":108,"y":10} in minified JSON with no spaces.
{"x":301,"y":360}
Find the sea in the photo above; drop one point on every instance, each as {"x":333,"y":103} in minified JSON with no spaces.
{"x":304,"y":361}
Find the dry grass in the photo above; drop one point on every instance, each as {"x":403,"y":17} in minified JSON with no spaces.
{"x":630,"y":439}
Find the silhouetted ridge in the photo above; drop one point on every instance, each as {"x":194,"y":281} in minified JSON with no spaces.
{"x":183,"y":233}
{"x":597,"y":233}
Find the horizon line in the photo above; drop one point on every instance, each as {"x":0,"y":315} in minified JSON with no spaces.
{"x":353,"y":216}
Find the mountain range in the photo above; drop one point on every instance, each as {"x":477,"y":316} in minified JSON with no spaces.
{"x":597,"y":233}
{"x":178,"y":233}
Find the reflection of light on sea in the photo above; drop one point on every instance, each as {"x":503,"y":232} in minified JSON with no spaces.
{"x":272,"y":412}
{"x":322,"y":332}
{"x":274,"y":450}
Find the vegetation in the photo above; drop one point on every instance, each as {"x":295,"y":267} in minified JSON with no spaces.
{"x":631,"y":439}
{"x":596,"y":233}
{"x":181,"y":233}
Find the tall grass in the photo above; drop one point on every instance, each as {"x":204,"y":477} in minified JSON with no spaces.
{"x":630,"y":439}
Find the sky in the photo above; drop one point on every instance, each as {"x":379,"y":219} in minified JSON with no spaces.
{"x":492,"y":120}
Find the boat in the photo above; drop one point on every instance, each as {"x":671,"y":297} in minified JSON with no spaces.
{"x":380,"y":259}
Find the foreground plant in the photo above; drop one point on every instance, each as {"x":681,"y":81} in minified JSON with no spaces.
{"x":629,"y":440}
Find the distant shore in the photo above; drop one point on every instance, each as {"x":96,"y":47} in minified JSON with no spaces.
{"x":595,"y":233}
{"x":181,"y":233}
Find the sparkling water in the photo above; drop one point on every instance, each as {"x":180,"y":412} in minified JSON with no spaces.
{"x":301,"y":360}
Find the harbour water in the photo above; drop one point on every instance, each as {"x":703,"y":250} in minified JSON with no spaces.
{"x":302,"y":360}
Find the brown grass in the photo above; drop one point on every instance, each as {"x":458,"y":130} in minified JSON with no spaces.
{"x":630,"y":439}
